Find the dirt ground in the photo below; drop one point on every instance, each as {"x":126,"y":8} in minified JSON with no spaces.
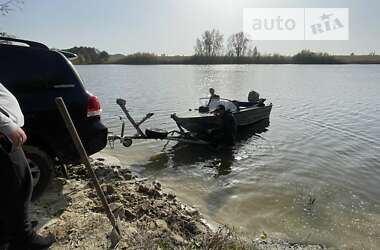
{"x":149,"y":217}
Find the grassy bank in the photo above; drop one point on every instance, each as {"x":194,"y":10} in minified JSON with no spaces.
{"x":359,"y":59}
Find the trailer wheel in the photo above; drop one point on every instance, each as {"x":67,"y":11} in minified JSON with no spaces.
{"x":41,"y":167}
{"x":127,"y":142}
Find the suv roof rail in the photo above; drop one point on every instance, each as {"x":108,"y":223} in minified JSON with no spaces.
{"x":31,"y":44}
{"x":69,"y":55}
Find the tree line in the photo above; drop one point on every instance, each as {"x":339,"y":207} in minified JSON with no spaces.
{"x":210,"y":48}
{"x":211,"y":43}
{"x":94,"y":56}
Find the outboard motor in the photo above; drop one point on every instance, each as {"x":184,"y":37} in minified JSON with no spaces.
{"x":261,"y":103}
{"x":253,"y":96}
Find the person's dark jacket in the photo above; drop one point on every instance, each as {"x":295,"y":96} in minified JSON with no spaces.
{"x":228,"y":128}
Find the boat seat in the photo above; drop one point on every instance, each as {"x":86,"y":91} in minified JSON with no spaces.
{"x":244,"y":104}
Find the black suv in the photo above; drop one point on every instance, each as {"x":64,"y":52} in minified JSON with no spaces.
{"x":37,"y":75}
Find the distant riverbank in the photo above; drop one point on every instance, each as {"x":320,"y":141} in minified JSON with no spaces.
{"x":87,"y":55}
{"x":146,"y":59}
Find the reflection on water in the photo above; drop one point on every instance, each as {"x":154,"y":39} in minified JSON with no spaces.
{"x":218,"y":158}
{"x":255,"y":129}
{"x":221,"y":159}
{"x":313,"y":175}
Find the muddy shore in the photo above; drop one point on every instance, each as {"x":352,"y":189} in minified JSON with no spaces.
{"x":150,"y":217}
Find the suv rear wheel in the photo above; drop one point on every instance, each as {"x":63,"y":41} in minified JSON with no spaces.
{"x":41,"y":166}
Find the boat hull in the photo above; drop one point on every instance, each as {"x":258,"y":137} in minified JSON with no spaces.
{"x":202,"y":123}
{"x":252,"y":115}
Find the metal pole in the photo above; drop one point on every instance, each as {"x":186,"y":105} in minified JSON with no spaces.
{"x":122,"y":130}
{"x":84,"y":158}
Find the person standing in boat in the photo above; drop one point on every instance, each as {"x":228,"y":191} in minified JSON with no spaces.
{"x":226,"y":133}
{"x":213,"y":96}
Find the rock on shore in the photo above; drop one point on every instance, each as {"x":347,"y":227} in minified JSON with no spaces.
{"x":149,"y":217}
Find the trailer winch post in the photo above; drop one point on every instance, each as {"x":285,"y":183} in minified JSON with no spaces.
{"x":122,"y":103}
{"x":122,"y":129}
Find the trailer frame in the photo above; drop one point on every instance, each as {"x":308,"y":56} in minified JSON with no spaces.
{"x":179,"y":135}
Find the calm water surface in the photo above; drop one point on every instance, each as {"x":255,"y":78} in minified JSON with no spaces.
{"x":313,"y":175}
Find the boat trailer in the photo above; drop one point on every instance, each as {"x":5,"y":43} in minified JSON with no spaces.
{"x":179,"y":135}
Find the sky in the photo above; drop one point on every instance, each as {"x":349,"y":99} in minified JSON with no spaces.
{"x":172,"y":26}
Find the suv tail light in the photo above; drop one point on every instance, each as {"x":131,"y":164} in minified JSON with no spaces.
{"x":93,"y":106}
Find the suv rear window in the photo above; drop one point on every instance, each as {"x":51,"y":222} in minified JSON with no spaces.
{"x":24,"y":69}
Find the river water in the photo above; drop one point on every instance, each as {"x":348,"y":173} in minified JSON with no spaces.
{"x":312,"y":175}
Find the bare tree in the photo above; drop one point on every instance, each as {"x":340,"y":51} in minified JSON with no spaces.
{"x":238,"y":44}
{"x":9,"y":5}
{"x":5,"y":8}
{"x":209,"y":44}
{"x":199,"y":48}
{"x":255,"y":52}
